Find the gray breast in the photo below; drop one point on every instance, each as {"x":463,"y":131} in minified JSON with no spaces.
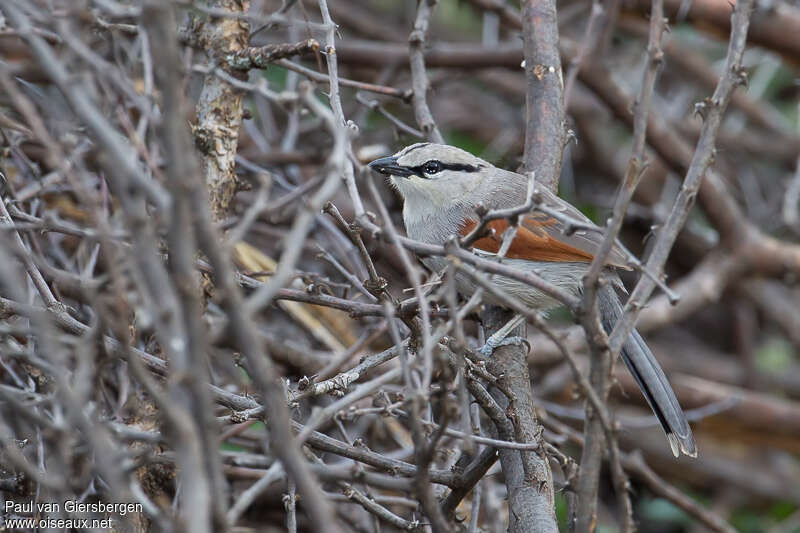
{"x":566,"y":276}
{"x":435,"y":226}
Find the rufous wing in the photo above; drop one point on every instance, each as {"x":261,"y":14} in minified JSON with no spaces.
{"x":532,"y":242}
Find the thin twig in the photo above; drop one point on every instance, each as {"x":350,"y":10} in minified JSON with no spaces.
{"x":598,"y":426}
{"x":419,"y":76}
{"x":714,"y":109}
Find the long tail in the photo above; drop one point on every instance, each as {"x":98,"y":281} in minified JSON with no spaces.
{"x":650,"y":377}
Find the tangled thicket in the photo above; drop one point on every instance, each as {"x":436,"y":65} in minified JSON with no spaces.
{"x":208,"y":307}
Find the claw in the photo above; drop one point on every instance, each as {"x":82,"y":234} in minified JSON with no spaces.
{"x":486,"y":350}
{"x":500,"y":337}
{"x":491,"y":345}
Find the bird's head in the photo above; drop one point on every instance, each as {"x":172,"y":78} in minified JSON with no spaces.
{"x":439,"y":173}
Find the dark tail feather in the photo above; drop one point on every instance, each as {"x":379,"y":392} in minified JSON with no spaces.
{"x":650,"y":377}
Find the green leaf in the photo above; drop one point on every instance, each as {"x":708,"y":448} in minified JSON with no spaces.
{"x":775,"y":355}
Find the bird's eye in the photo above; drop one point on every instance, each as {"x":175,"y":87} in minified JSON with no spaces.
{"x":432,"y":167}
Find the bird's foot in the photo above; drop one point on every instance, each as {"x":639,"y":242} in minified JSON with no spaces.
{"x":492,"y":344}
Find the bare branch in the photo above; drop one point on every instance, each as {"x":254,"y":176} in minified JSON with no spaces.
{"x":416,"y":45}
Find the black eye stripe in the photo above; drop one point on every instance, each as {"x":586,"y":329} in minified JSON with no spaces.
{"x":460,"y":166}
{"x":419,"y":170}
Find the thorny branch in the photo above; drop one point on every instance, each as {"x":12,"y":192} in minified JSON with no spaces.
{"x":598,"y":427}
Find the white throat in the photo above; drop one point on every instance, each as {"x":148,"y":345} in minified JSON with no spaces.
{"x":429,"y":213}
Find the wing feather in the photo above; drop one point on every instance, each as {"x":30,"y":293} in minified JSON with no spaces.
{"x":531,"y":243}
{"x":543,"y":238}
{"x":582,"y":239}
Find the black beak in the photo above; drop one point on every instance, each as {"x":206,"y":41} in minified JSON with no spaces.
{"x":389,"y":167}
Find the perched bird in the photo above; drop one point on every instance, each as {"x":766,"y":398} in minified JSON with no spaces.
{"x":443,"y":185}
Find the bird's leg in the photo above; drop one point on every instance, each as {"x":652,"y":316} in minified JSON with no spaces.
{"x":499,"y":337}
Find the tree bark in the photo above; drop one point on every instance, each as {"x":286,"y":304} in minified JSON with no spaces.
{"x":529,"y":481}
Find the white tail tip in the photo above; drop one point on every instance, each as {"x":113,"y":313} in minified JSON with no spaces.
{"x":677,"y":448}
{"x":673,"y":444}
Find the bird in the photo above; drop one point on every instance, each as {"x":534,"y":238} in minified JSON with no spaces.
{"x":444,"y":188}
